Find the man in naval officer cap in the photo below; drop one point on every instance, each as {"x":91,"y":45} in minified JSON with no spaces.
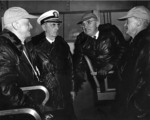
{"x":53,"y":59}
{"x":50,"y":16}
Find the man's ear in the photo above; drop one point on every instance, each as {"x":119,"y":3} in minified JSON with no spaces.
{"x":139,"y":22}
{"x":15,"y":25}
{"x":97,"y":23}
{"x":43,"y":27}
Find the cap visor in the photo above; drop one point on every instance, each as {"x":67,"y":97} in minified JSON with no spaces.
{"x":123,"y":18}
{"x":84,"y":19}
{"x":80,"y":22}
{"x":55,"y":21}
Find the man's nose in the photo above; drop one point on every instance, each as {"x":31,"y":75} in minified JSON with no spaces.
{"x":57,"y":26}
{"x":30,"y":26}
{"x":125,"y":24}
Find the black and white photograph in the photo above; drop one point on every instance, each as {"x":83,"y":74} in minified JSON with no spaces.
{"x":74,"y":60}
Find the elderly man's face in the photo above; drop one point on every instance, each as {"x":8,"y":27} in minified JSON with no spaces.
{"x":90,"y":26}
{"x":51,"y":29}
{"x":131,"y":26}
{"x":24,"y":28}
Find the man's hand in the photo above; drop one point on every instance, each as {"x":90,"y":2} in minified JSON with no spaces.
{"x":105,"y":70}
{"x":94,"y":73}
{"x":42,"y":109}
{"x":102,"y":72}
{"x":73,"y":95}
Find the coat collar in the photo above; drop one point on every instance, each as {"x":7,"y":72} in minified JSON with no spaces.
{"x":13,"y":38}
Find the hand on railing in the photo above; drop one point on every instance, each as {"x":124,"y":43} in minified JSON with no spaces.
{"x":102,"y":72}
{"x":73,"y":95}
{"x":49,"y":117}
{"x":94,"y":73}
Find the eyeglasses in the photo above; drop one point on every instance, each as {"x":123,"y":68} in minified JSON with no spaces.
{"x":88,"y":22}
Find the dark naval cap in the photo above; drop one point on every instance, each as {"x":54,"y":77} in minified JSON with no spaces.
{"x":87,"y":16}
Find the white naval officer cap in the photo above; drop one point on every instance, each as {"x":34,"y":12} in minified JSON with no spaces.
{"x":49,"y":16}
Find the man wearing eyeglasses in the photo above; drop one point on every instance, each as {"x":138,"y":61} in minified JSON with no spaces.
{"x":52,"y":55}
{"x":102,"y":44}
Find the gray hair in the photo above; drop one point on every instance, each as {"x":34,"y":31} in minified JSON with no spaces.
{"x":9,"y":27}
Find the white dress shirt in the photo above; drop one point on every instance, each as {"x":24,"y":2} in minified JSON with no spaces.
{"x":96,"y":35}
{"x":49,"y":40}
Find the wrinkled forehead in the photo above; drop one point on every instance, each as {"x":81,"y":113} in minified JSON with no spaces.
{"x":132,"y":19}
{"x":23,"y":21}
